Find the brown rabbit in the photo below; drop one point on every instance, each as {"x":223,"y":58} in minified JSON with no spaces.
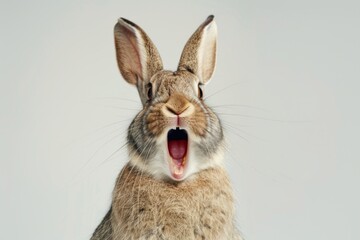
{"x":174,"y":185}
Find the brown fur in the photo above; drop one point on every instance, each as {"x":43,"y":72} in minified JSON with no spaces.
{"x":146,"y":208}
{"x":146,"y":203}
{"x":168,"y":91}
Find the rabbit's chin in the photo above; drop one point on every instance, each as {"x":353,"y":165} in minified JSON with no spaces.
{"x":180,"y":159}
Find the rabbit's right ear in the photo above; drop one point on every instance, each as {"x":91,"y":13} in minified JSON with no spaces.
{"x":137,"y":57}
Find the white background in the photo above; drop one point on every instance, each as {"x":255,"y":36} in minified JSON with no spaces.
{"x":286,"y":87}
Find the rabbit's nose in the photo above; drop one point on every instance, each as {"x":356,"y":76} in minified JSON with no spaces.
{"x":178,"y":105}
{"x":174,"y":110}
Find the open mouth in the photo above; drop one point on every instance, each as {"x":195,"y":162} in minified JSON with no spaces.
{"x":177,"y":141}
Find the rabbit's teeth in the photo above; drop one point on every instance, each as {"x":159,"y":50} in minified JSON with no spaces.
{"x":177,"y":171}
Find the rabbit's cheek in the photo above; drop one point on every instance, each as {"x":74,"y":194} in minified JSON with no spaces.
{"x":198,"y":122}
{"x":155,"y":121}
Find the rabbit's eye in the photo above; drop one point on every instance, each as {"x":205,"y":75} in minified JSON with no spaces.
{"x":149,"y":92}
{"x":200,"y":92}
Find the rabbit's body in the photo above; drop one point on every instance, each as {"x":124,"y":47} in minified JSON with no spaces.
{"x":174,"y":186}
{"x":146,"y":208}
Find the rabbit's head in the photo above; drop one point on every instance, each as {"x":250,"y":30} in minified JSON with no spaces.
{"x":175,"y":134}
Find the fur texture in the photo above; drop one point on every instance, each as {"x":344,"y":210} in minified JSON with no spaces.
{"x":199,"y":208}
{"x":156,"y":196}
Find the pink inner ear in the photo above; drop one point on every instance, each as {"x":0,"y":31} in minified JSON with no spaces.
{"x":128,"y":52}
{"x":131,"y":51}
{"x":199,"y":53}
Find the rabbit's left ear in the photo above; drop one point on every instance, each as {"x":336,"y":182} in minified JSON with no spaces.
{"x":199,"y":54}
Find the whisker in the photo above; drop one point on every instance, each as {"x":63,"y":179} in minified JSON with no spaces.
{"x":237,"y":134}
{"x":225,"y":123}
{"x":238,"y":105}
{"x":107,"y":126}
{"x":261,"y":118}
{"x":94,"y":154}
{"x":111,"y":155}
{"x":221,"y":90}
{"x":121,"y":108}
{"x":117,"y":98}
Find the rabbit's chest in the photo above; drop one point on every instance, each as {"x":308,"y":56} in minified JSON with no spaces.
{"x":160,"y":211}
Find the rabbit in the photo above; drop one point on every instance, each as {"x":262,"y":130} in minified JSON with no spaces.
{"x":174,"y":186}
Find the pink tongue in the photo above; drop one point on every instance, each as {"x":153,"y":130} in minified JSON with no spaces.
{"x":177,"y":149}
